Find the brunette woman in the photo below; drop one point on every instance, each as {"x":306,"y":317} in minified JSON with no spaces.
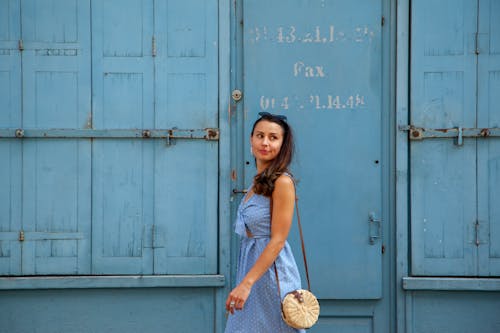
{"x":254,"y":304}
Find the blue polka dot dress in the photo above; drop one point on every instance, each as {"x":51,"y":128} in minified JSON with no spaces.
{"x":262,"y":310}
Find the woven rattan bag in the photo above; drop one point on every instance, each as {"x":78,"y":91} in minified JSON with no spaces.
{"x":299,"y":308}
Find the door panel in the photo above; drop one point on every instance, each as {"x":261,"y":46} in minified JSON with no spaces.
{"x":186,"y":172}
{"x":443,"y":176}
{"x":163,"y":219}
{"x":123,"y":98}
{"x":10,"y":205}
{"x":321,"y":65}
{"x":488,"y":150}
{"x":55,"y":173}
{"x":10,"y":150}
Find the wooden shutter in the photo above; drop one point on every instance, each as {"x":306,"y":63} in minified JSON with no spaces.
{"x":10,"y":149}
{"x":55,"y":172}
{"x":123,"y":98}
{"x":443,"y":175}
{"x":488,"y":149}
{"x":186,"y":173}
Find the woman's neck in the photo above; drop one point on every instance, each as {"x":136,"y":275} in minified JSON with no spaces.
{"x":261,"y":166}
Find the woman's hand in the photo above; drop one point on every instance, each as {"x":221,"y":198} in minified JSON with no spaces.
{"x":237,"y":297}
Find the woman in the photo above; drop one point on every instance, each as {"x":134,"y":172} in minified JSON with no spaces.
{"x":254,"y":304}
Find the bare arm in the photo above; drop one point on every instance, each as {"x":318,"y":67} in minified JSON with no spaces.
{"x":282,"y":215}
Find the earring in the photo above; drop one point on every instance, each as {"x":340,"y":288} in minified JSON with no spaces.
{"x":251,"y":150}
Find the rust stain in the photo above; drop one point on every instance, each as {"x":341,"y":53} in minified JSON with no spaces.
{"x":485,"y":132}
{"x":234,"y":176}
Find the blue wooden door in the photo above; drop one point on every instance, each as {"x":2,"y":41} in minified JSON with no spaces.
{"x":454,"y":70}
{"x":46,"y":183}
{"x":155,"y":202}
{"x":108,"y":137}
{"x":320,"y":64}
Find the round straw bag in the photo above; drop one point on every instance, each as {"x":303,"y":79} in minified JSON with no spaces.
{"x":300,"y":309}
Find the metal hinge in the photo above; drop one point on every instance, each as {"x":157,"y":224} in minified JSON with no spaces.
{"x":382,"y":21}
{"x":476,"y":229}
{"x":476,"y":43}
{"x":374,"y":227}
{"x":153,"y":46}
{"x":21,"y":236}
{"x":20,"y":45}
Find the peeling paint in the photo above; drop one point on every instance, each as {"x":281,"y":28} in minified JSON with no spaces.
{"x":89,"y":121}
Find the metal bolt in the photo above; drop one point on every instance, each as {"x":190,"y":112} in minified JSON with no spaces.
{"x":237,"y":94}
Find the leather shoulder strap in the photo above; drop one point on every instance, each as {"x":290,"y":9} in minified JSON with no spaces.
{"x":301,"y":238}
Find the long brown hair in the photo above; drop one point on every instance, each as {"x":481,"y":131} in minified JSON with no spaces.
{"x":264,"y":182}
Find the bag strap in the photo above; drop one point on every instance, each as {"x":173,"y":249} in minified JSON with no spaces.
{"x":301,"y":241}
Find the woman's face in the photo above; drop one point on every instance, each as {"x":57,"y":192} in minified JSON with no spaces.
{"x":266,"y":141}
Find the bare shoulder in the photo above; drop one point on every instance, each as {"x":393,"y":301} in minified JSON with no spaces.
{"x":285,"y":181}
{"x":284,"y":185}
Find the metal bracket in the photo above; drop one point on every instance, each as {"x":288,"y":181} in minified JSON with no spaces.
{"x":209,"y":134}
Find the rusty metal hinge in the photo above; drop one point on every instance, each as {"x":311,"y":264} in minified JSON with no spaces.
{"x":21,"y":236}
{"x":20,"y":45}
